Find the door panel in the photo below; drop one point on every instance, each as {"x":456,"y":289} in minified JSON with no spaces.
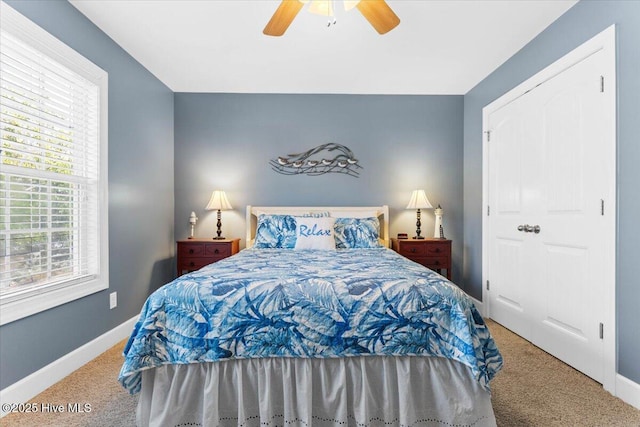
{"x":565,"y":277}
{"x":508,"y":164}
{"x":510,"y":302}
{"x":564,"y":153}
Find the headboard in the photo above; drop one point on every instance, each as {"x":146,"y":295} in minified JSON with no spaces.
{"x":382,"y":212}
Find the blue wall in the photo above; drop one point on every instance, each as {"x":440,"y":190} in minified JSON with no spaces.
{"x":579,"y":24}
{"x":140,"y":200}
{"x":403,"y":142}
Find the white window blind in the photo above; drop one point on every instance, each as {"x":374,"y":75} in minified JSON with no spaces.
{"x":52,"y":176}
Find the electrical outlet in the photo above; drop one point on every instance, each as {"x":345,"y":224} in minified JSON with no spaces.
{"x":113,"y":300}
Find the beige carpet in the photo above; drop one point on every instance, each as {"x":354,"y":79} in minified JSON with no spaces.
{"x":533,"y":389}
{"x":536,"y":389}
{"x":96,"y":384}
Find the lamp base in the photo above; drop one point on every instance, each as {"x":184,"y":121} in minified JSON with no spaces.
{"x":219,"y":238}
{"x":418,"y":224}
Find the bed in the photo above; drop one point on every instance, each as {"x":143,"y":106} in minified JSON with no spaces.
{"x":315,"y":323}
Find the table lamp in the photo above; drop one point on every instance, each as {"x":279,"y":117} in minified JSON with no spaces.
{"x":218,"y":202}
{"x":418,"y":201}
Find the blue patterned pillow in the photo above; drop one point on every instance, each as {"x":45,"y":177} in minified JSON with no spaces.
{"x":357,"y":233}
{"x":275,"y":231}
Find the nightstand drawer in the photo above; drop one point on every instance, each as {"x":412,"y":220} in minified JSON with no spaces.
{"x":412,"y":249}
{"x":191,"y":249}
{"x":435,"y":262}
{"x":221,"y":250}
{"x":192,"y":264}
{"x":438,"y":249}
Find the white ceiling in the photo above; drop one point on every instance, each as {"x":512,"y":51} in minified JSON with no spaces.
{"x":440,"y":47}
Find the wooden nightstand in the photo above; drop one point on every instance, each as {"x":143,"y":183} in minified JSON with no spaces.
{"x":432,"y":253}
{"x":194,"y":254}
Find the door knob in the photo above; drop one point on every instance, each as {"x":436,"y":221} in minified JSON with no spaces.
{"x":529,"y":228}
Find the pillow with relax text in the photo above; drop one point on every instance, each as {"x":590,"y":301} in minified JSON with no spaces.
{"x":315,"y":233}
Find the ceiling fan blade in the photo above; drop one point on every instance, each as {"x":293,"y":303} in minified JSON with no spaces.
{"x":379,"y":15}
{"x":282,"y":17}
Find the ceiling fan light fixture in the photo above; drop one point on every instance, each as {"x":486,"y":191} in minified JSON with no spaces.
{"x":377,"y":12}
{"x":321,"y":7}
{"x":326,"y":7}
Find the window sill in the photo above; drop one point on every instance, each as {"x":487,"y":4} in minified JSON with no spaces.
{"x":10,"y":311}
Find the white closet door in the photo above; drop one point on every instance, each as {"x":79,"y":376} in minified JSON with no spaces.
{"x":510,"y":301}
{"x":571,"y":244}
{"x":545,"y":172}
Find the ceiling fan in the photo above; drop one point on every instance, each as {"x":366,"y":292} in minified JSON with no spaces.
{"x":377,"y":12}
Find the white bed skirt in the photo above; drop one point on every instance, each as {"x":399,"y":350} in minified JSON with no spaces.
{"x":353,"y":391}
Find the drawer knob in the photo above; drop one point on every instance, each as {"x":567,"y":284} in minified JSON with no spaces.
{"x":190,"y":251}
{"x":413,"y":250}
{"x":216,"y":251}
{"x":437,"y":250}
{"x":437,"y":262}
{"x":192,"y":264}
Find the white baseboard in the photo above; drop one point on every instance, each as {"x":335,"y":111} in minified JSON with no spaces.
{"x":34,"y":384}
{"x":628,"y":391}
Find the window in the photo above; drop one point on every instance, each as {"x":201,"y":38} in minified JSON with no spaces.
{"x":53,"y":177}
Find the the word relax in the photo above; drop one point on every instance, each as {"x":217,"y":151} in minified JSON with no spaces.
{"x":313,"y":231}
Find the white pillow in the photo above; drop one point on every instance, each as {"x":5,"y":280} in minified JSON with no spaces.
{"x":315,"y":233}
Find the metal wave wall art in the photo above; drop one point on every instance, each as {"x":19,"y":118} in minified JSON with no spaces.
{"x":326,"y":158}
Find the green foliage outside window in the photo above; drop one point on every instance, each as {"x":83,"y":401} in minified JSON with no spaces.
{"x":38,"y":233}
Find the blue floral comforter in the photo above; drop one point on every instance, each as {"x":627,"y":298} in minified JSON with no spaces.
{"x":288,"y":303}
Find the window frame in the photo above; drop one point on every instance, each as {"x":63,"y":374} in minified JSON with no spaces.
{"x":22,"y":304}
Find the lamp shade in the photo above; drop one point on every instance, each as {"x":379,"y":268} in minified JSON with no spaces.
{"x":218,"y":201}
{"x":419,"y":200}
